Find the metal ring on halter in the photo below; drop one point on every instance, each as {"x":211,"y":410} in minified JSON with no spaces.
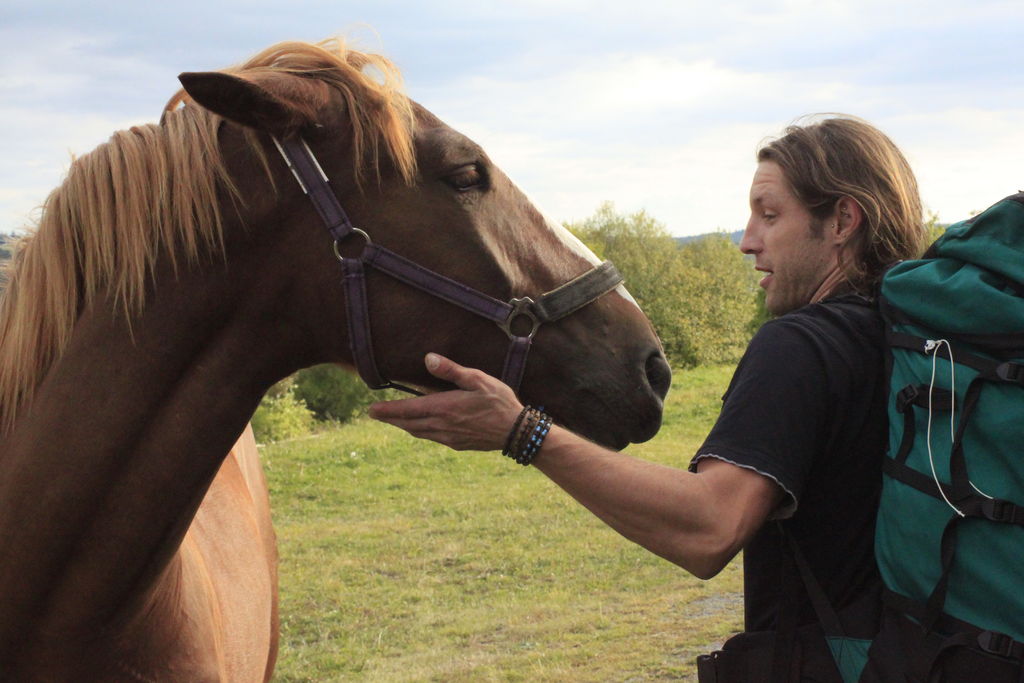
{"x":357,"y":231}
{"x":520,"y":307}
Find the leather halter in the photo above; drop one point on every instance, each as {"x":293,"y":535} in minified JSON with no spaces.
{"x":548,"y":307}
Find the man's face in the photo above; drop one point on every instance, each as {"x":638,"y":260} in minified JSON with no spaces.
{"x":779,"y":235}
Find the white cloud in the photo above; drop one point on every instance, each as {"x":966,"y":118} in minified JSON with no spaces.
{"x":39,"y":152}
{"x":613,"y":88}
{"x":965,"y":158}
{"x":695,"y":186}
{"x":658,"y":105}
{"x":677,"y":137}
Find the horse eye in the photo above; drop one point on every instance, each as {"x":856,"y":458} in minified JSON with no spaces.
{"x":466,"y":178}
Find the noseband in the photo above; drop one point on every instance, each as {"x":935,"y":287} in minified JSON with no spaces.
{"x":548,"y":307}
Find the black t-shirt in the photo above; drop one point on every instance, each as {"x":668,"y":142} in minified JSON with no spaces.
{"x":806,"y":408}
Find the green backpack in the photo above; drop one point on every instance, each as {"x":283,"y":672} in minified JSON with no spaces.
{"x":950,"y":531}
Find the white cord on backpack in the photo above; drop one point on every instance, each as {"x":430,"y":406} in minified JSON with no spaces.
{"x":932,"y":346}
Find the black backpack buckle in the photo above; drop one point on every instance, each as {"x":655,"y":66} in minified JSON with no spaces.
{"x":998,"y":510}
{"x":906,"y":397}
{"x":1010,"y":372}
{"x":996,"y":643}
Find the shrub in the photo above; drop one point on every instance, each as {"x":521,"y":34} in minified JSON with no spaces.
{"x":332,"y":393}
{"x":701,"y":297}
{"x":717,"y":300}
{"x":281,"y":416}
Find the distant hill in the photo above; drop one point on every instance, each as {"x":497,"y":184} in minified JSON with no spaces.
{"x":734,"y":236}
{"x":5,"y":255}
{"x":5,"y":251}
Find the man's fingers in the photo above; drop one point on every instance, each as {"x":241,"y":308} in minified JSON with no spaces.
{"x":450,"y":371}
{"x":404,"y":408}
{"x":427,"y":428}
{"x":476,"y":416}
{"x":417,"y":426}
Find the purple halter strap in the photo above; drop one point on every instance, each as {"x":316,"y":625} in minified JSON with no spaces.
{"x":551,"y":306}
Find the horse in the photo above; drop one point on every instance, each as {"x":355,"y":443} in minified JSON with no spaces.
{"x":179,"y":271}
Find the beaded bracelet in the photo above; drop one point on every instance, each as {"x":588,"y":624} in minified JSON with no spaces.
{"x":522,"y":430}
{"x":527,"y":435}
{"x":533,"y":443}
{"x":507,"y":450}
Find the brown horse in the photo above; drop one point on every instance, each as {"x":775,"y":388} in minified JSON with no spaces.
{"x":175,"y":275}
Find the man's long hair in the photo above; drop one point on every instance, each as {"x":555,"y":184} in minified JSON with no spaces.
{"x":844,"y":156}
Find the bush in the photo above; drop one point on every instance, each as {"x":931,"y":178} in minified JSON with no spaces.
{"x":281,"y":416}
{"x":701,"y":297}
{"x":332,"y":393}
{"x":717,"y":302}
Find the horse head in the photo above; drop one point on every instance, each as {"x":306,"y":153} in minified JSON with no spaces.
{"x":417,"y":189}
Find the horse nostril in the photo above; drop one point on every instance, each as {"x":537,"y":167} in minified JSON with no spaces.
{"x":659,"y":374}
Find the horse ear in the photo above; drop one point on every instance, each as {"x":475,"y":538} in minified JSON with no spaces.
{"x":271,"y":105}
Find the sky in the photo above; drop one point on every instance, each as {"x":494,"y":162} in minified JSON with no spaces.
{"x":654,"y":105}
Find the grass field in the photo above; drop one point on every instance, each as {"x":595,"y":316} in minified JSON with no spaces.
{"x":404,"y":561}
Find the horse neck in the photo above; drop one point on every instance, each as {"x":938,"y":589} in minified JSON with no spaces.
{"x":105,"y":468}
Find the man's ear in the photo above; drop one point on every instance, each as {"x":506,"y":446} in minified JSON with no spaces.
{"x":276,"y":103}
{"x":848,"y":219}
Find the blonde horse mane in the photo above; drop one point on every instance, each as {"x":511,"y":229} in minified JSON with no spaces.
{"x":152,"y":191}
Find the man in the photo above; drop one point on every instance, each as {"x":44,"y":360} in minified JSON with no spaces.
{"x":802,"y":430}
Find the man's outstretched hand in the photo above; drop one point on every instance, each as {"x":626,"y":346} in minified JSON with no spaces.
{"x":476,"y":416}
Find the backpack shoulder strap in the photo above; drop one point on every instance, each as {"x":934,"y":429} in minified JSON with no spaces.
{"x":849,"y":654}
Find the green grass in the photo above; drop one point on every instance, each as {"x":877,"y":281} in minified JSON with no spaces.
{"x":404,"y":561}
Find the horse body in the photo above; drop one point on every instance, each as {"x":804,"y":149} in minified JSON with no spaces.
{"x":133,"y":548}
{"x":212,"y":616}
{"x":96,"y":511}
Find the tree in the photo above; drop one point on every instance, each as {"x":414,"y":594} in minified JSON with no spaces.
{"x":933,"y":230}
{"x":720,"y":299}
{"x":700,"y":298}
{"x":646,"y":255}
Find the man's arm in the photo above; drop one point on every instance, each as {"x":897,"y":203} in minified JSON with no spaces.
{"x":696,"y":520}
